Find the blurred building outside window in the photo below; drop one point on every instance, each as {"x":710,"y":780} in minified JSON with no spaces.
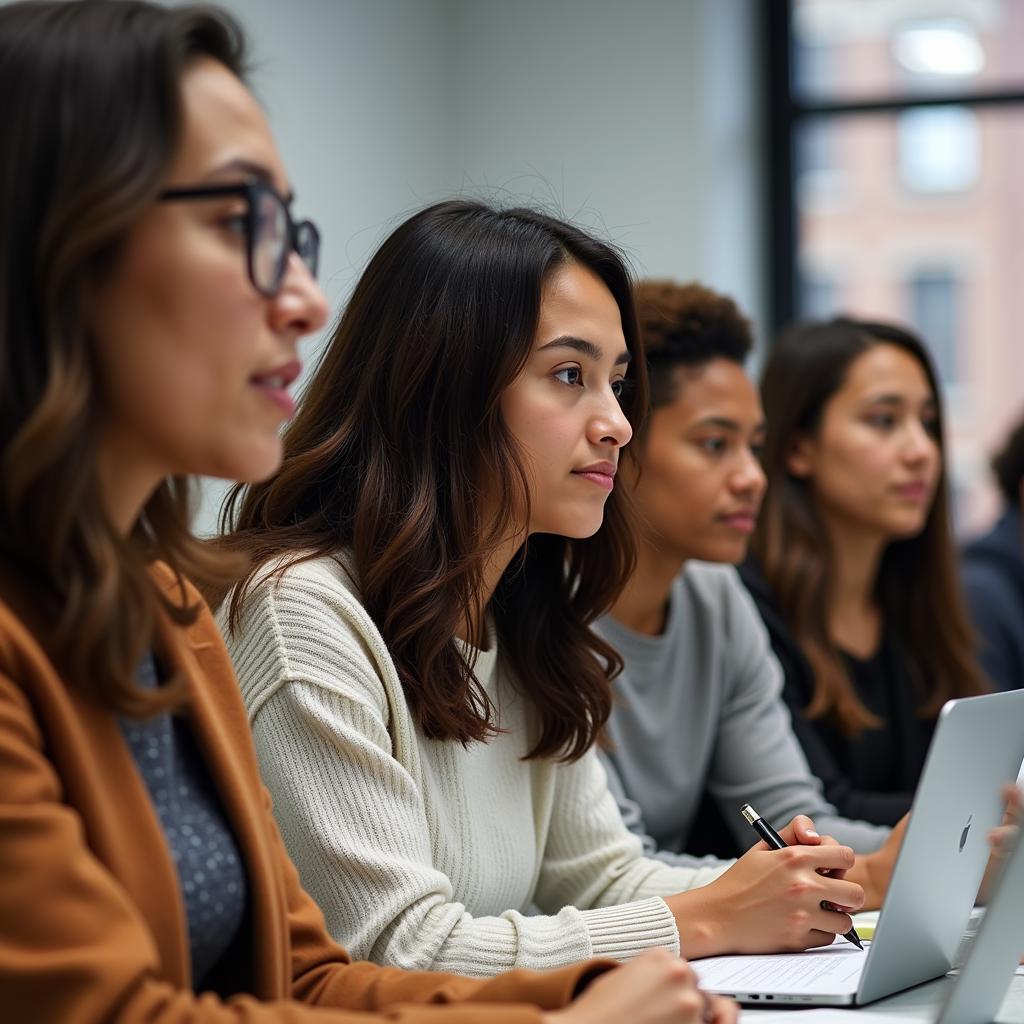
{"x":900,"y":126}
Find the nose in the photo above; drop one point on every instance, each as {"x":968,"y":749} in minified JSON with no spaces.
{"x":921,"y":445}
{"x":609,"y":425}
{"x":749,"y":476}
{"x":300,"y":306}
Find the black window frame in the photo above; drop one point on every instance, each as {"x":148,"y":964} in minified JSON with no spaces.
{"x":784,"y":113}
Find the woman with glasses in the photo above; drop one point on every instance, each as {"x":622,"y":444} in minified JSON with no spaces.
{"x":412,"y":633}
{"x":153,"y":287}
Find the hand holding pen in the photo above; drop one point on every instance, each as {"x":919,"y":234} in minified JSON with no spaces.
{"x":776,"y":842}
{"x":771,"y":901}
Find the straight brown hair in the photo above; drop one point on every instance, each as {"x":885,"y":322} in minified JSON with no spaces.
{"x":806,"y":368}
{"x":396,"y":438}
{"x":92,"y":118}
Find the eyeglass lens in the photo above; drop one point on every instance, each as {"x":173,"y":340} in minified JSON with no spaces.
{"x":272,"y":241}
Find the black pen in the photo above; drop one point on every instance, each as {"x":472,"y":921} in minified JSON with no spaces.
{"x":775,"y":841}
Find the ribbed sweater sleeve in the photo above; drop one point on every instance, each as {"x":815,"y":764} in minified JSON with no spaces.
{"x":357,"y":807}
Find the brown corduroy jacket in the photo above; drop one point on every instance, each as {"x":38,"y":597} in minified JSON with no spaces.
{"x":92,"y":924}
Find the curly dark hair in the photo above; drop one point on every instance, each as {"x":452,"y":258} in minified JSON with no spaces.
{"x":687,"y":325}
{"x":1008,"y":465}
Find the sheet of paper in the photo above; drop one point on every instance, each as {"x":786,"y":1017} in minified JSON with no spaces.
{"x":834,"y":970}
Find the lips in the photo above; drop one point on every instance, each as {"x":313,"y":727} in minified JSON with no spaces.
{"x":744,"y":520}
{"x":917,"y":490}
{"x":600,"y":473}
{"x":274,"y":385}
{"x":280,"y":377}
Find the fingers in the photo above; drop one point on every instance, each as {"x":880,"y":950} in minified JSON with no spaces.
{"x":722,"y":1011}
{"x":827,"y":856}
{"x":1002,"y":839}
{"x":843,"y":895}
{"x":831,"y":921}
{"x":1014,"y":797}
{"x":800,"y":831}
{"x":816,"y":938}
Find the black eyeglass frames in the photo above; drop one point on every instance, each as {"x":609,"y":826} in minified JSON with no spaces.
{"x":270,"y":233}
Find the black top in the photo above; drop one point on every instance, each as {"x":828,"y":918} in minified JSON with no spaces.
{"x":871,"y":776}
{"x":993,"y":578}
{"x":213,"y":883}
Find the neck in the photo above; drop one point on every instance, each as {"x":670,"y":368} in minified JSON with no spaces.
{"x":853,"y":612}
{"x":126,"y":482}
{"x":472,"y":630}
{"x":642,"y":603}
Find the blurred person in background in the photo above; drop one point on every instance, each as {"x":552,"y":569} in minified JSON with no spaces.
{"x":993,"y":574}
{"x":853,"y":568}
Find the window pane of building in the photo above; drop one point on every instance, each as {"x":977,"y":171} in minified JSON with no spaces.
{"x":939,"y":148}
{"x":872,"y":49}
{"x":934,"y":305}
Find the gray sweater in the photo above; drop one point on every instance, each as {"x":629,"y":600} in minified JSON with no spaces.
{"x":698,"y":709}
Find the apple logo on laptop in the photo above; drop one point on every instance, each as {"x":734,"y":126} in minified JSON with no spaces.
{"x":963,"y":835}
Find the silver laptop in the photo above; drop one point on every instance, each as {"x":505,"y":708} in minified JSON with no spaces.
{"x":977,"y":747}
{"x":976,"y":995}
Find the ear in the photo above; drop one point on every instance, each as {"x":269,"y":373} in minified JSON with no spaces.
{"x":799,"y":460}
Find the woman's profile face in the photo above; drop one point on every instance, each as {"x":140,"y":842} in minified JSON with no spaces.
{"x":194,"y":362}
{"x":564,"y":408}
{"x":875,"y":462}
{"x":700,"y":483}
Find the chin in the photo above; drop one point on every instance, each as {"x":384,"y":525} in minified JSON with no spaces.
{"x":727,"y":554}
{"x":905,"y":531}
{"x":577,"y":528}
{"x":252,"y":466}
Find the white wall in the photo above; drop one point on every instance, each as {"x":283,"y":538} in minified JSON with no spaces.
{"x":357,"y":93}
{"x":638,"y":120}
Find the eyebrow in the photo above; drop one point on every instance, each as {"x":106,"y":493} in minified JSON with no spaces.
{"x":586,"y":348}
{"x":724,"y":423}
{"x":899,"y":400}
{"x":250,"y":169}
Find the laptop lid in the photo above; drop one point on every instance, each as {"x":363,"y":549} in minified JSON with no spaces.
{"x":977,"y":994}
{"x":977,"y":747}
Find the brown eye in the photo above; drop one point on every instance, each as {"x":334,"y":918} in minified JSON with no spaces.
{"x":571,"y":375}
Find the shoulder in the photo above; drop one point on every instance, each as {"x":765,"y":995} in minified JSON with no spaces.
{"x":304,"y":597}
{"x":717,"y":588}
{"x":714,"y":583}
{"x":14,"y":635}
{"x":305,"y":622}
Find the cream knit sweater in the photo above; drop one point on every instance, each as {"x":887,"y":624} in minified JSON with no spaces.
{"x":426,"y":854}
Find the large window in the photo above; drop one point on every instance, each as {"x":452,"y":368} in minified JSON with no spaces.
{"x":896,"y":137}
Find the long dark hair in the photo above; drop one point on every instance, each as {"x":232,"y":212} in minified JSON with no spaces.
{"x":92,"y":119}
{"x":917,"y":589}
{"x":398,"y":436}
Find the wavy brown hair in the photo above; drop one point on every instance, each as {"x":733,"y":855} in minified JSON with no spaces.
{"x":92,"y":118}
{"x":398,"y":436}
{"x":806,"y":368}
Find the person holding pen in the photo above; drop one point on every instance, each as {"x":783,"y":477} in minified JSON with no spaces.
{"x":699,"y":726}
{"x":412,"y":635}
{"x":153,"y":287}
